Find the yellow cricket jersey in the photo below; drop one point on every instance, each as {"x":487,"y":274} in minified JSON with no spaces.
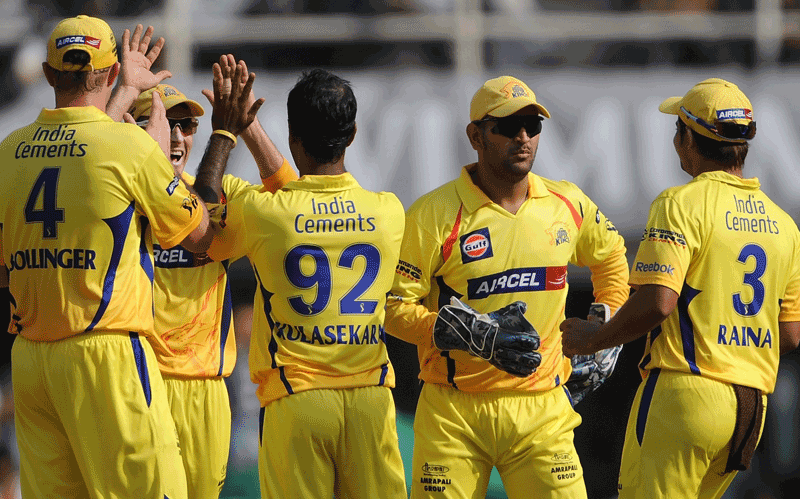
{"x":459,"y":243}
{"x":324,"y":252}
{"x":79,"y":191}
{"x":733,"y":256}
{"x":193,"y":308}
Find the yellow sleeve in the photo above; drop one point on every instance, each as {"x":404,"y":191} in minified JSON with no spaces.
{"x":420,"y":256}
{"x":230,"y":243}
{"x":160,"y":196}
{"x":790,"y":304}
{"x":610,"y":279}
{"x":664,"y":252}
{"x":283,"y":176}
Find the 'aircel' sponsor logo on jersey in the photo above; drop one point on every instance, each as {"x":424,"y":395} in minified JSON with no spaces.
{"x":735,"y":114}
{"x":173,"y":258}
{"x":654,"y":267}
{"x":476,"y":245}
{"x":78,"y":40}
{"x":517,"y":281}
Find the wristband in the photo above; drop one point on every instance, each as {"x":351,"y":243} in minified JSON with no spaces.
{"x":226,"y":133}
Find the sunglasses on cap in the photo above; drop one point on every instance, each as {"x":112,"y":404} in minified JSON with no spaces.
{"x":510,"y":125}
{"x":188,"y":125}
{"x":729,"y":132}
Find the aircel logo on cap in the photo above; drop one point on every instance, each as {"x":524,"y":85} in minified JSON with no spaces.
{"x":78,"y":40}
{"x":169,"y":91}
{"x":735,"y":114}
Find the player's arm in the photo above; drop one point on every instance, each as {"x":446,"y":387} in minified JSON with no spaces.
{"x":420,"y":255}
{"x":231,"y":115}
{"x":136,"y":58}
{"x":273,"y":168}
{"x":647,"y":308}
{"x":790,"y":336}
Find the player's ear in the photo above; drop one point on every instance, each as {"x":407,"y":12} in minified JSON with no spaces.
{"x":353,"y":136}
{"x":49,"y":74}
{"x":112,"y":74}
{"x":475,"y":135}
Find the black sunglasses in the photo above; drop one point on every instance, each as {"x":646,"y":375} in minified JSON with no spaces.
{"x":188,"y":125}
{"x":510,"y":125}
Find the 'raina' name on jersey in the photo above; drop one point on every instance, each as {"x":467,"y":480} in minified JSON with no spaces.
{"x":66,"y":146}
{"x":345,"y":218}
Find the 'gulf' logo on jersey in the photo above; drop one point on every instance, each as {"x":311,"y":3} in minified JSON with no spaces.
{"x":78,"y":40}
{"x":476,"y":245}
{"x":517,"y":281}
{"x":735,"y":114}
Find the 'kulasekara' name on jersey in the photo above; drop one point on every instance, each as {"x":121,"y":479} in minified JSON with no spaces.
{"x":734,"y":258}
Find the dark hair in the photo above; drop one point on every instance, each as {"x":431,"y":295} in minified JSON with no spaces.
{"x":70,"y":81}
{"x":729,"y":154}
{"x":322,"y":114}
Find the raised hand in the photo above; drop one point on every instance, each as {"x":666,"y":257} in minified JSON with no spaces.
{"x":227,"y":63}
{"x":137,"y":57}
{"x":234,"y":104}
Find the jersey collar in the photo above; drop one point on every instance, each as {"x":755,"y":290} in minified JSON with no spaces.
{"x":323,"y":183}
{"x":80,"y":114}
{"x":473,"y":197}
{"x":720,"y":176}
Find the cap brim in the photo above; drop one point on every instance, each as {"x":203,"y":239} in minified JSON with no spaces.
{"x":671,"y":105}
{"x":512,"y":106}
{"x":194,"y":107}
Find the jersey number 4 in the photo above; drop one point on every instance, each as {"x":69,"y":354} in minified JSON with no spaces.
{"x":752,"y":279}
{"x":321,"y":278}
{"x":46,"y":187}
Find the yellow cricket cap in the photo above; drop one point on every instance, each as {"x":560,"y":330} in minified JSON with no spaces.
{"x":709,"y":102}
{"x":90,"y":34}
{"x":501,"y":97}
{"x":170,"y":96}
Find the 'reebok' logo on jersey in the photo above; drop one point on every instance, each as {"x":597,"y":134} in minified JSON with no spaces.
{"x":476,"y":245}
{"x":559,"y":233}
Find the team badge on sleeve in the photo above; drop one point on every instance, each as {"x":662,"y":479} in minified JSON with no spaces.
{"x":476,"y":245}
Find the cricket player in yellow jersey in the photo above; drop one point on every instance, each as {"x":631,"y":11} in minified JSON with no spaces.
{"x":194,"y":342}
{"x":718,"y":278}
{"x":91,"y":410}
{"x":324,"y":252}
{"x":496,"y":235}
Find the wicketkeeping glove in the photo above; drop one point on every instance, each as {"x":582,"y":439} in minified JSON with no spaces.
{"x":591,"y":371}
{"x":504,"y":337}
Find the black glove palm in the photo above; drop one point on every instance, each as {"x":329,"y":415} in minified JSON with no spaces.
{"x":504,"y":337}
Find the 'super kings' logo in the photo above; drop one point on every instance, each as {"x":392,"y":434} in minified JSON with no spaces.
{"x":78,"y":40}
{"x":476,"y":245}
{"x":735,"y":114}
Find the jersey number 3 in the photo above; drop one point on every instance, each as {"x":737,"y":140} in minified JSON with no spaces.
{"x":46,"y":187}
{"x":321,"y":278}
{"x":752,"y":279}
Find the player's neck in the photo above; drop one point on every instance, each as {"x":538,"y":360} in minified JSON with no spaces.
{"x":81,"y":99}
{"x":508,"y":194}
{"x":312,"y":167}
